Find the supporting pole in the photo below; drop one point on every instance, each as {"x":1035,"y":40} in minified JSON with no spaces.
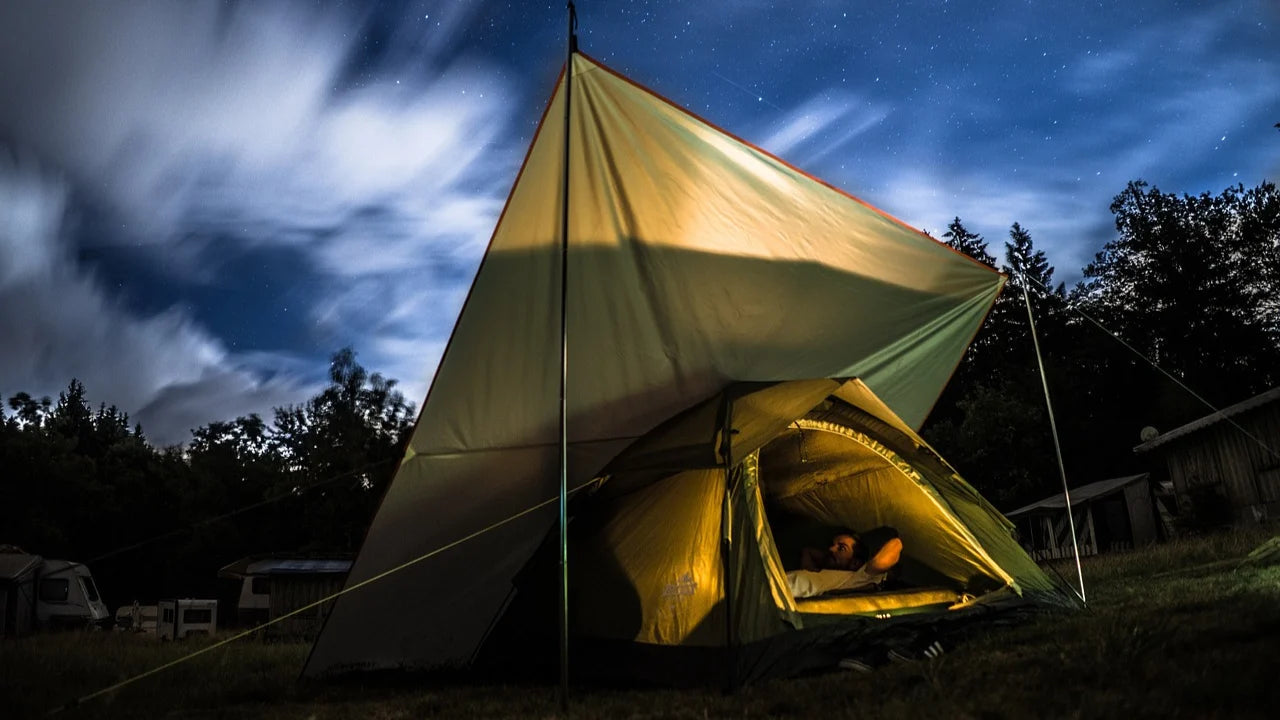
{"x":727,"y":539}
{"x":1053,"y":426}
{"x":571,"y":47}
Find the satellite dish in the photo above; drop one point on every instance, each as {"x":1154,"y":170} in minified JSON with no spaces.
{"x":1148,"y":434}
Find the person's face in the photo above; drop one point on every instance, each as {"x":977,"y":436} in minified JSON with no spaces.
{"x":841,"y":551}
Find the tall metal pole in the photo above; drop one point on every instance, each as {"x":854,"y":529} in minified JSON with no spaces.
{"x":571,"y":47}
{"x":1053,"y":426}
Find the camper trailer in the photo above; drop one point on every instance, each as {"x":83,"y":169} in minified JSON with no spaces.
{"x":68,"y":596}
{"x":179,"y":619}
{"x":138,"y":618}
{"x":40,"y":593}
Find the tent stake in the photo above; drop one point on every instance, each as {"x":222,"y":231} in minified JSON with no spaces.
{"x":1053,"y":426}
{"x":572,"y":46}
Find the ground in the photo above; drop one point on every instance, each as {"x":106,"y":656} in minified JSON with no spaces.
{"x":1177,"y":630}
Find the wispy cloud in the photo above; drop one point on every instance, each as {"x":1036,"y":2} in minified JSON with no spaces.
{"x":1065,"y":224}
{"x":240,"y":120}
{"x":822,"y":124}
{"x":58,"y":322}
{"x":248,"y":127}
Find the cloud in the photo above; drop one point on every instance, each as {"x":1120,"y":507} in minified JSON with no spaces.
{"x":822,"y":124}
{"x":1067,"y":225}
{"x":218,"y":393}
{"x":1102,"y":71}
{"x":59,"y":322}
{"x":244,"y":124}
{"x":255,"y":125}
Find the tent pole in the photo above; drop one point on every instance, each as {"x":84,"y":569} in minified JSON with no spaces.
{"x":1053,"y":426}
{"x":727,"y":539}
{"x":571,"y":47}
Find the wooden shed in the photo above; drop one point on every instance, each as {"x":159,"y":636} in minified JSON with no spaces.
{"x":1110,"y":516}
{"x":1232,"y":455}
{"x":290,"y":582}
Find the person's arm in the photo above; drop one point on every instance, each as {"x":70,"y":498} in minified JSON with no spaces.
{"x":812,"y":558}
{"x":886,"y":557}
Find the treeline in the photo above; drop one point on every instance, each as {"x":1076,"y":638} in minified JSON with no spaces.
{"x":81,"y":483}
{"x":1191,"y":282}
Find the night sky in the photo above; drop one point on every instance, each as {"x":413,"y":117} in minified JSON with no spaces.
{"x":201,"y":201}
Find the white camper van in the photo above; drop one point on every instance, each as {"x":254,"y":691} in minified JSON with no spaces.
{"x":40,"y":593}
{"x":138,"y":618}
{"x":181,"y":618}
{"x":67,"y":596}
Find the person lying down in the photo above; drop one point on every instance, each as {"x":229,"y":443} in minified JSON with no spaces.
{"x":844,"y":565}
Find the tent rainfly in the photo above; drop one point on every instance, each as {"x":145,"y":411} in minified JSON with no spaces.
{"x":719,"y":304}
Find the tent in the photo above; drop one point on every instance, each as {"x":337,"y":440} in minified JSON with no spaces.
{"x":696,"y":263}
{"x":678,"y":553}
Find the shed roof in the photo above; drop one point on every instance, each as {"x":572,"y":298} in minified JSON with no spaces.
{"x":1243,"y":406}
{"x":287,"y":565}
{"x":1082,"y":494}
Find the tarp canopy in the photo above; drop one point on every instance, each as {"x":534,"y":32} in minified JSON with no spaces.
{"x":695,"y":261}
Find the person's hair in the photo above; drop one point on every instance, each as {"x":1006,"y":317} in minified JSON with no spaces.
{"x":859,"y":547}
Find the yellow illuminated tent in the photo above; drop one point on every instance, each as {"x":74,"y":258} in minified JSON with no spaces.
{"x":720,"y":305}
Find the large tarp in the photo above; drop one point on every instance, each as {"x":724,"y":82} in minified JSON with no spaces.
{"x":695,"y":261}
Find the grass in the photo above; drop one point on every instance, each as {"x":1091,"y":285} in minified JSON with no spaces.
{"x":1171,"y":632}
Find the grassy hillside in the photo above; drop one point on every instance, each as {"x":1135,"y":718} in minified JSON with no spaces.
{"x":1178,"y":630}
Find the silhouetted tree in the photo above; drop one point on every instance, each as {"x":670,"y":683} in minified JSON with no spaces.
{"x":30,"y":411}
{"x":969,"y":243}
{"x":347,"y":438}
{"x":1191,"y":283}
{"x":991,"y":421}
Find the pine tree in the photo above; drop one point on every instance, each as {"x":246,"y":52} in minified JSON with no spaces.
{"x":969,"y":243}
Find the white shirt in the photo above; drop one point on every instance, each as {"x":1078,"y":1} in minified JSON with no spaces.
{"x":808,"y":583}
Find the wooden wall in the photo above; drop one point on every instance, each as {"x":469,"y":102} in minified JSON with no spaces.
{"x":290,"y":592}
{"x":1045,"y":534}
{"x":1142,"y":513}
{"x":1225,"y":459}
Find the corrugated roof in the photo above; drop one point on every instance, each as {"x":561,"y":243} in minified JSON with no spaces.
{"x":15,"y":565}
{"x":1081,"y":494}
{"x":283,"y":567}
{"x":1209,"y":420}
{"x":287,"y":565}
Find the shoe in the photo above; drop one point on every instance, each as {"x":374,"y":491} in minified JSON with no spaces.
{"x":856,"y":665}
{"x":907,"y":655}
